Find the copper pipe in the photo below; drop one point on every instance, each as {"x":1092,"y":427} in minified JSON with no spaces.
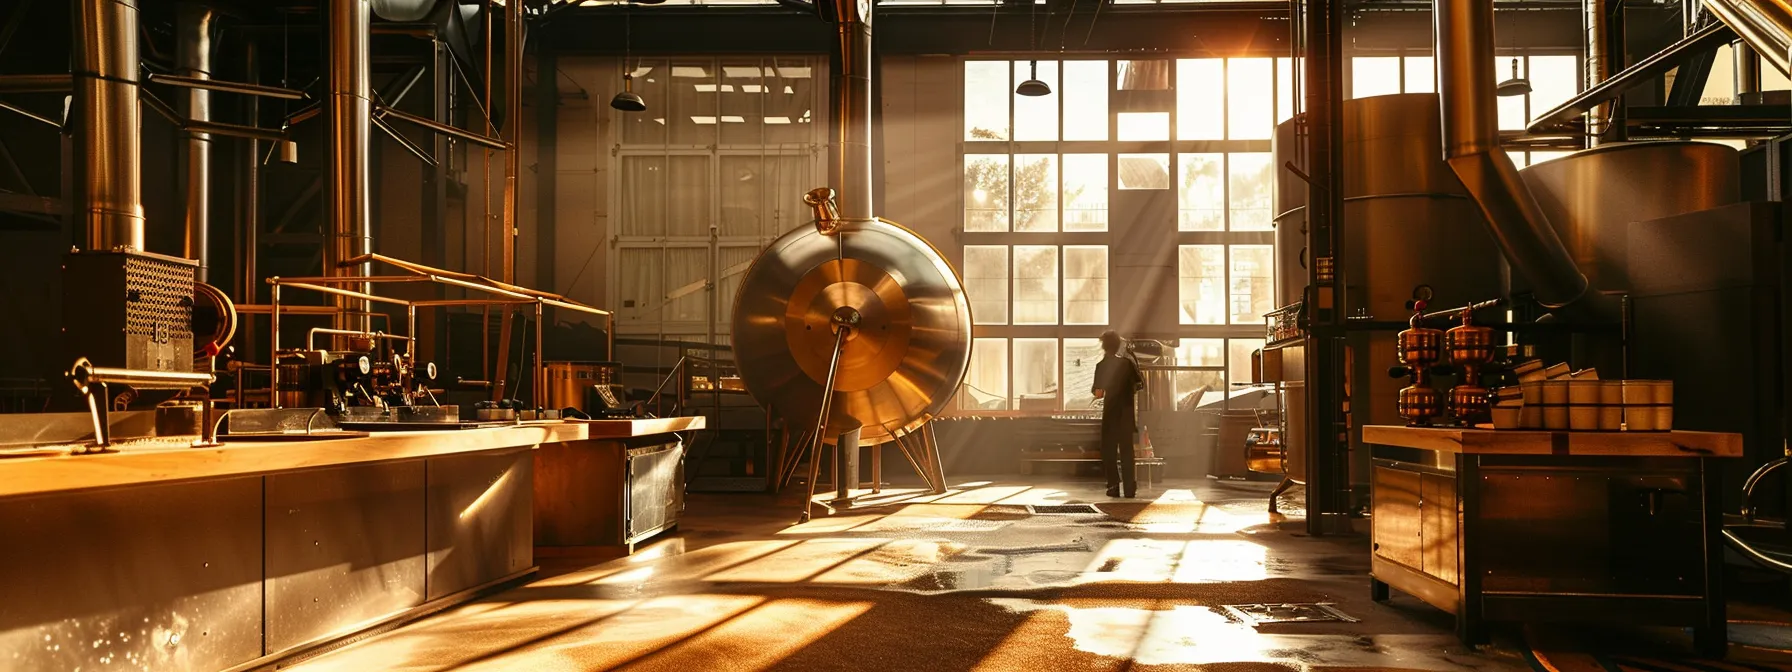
{"x":1764,"y":25}
{"x":439,"y":127}
{"x":1464,"y":48}
{"x":349,"y":122}
{"x":193,"y":56}
{"x":108,"y":178}
{"x":36,"y":83}
{"x":513,"y":43}
{"x":232,"y":130}
{"x":250,"y":231}
{"x":404,"y":142}
{"x":209,"y":84}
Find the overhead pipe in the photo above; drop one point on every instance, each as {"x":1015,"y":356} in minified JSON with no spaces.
{"x":451,"y":131}
{"x":1465,"y":63}
{"x":54,"y":83}
{"x":220,"y":86}
{"x":349,"y":127}
{"x":193,"y":60}
{"x":849,"y":166}
{"x":108,"y":173}
{"x":1764,"y":25}
{"x":1706,"y":38}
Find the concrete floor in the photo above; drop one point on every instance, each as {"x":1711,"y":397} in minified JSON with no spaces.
{"x":971,"y":580}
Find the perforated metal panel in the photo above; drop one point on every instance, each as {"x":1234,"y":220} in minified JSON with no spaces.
{"x":158,"y":297}
{"x":128,"y":309}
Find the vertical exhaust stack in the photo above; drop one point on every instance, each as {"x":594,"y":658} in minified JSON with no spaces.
{"x":849,"y":169}
{"x":1464,"y":36}
{"x":1598,"y":67}
{"x":349,"y":124}
{"x":108,"y":175}
{"x":194,"y":56}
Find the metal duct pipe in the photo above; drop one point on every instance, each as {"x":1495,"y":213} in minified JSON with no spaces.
{"x":1464,"y":43}
{"x":108,"y":175}
{"x":349,"y":125}
{"x":1764,"y":25}
{"x":36,"y":83}
{"x":193,"y":59}
{"x":1748,"y":70}
{"x":1598,"y":63}
{"x":849,"y":166}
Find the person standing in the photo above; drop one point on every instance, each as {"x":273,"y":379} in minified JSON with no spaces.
{"x":1117,"y":383}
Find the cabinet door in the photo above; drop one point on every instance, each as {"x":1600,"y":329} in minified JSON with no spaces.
{"x":1395,"y":526}
{"x":1439,"y":515}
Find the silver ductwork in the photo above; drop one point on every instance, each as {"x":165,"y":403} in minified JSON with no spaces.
{"x":1598,"y":63}
{"x":1764,"y":25}
{"x":349,"y":124}
{"x":1470,"y":120}
{"x":849,"y":166}
{"x":108,"y":180}
{"x":193,"y":55}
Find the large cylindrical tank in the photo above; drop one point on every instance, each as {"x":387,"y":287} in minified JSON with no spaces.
{"x":1591,"y":196}
{"x":1407,"y":222}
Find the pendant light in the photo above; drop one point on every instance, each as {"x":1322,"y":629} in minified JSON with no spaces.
{"x":1033,"y":87}
{"x":627,"y":100}
{"x":1516,"y":86}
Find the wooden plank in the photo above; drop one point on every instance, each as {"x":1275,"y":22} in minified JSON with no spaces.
{"x":64,"y":473}
{"x":622,"y":429}
{"x":1537,"y":442}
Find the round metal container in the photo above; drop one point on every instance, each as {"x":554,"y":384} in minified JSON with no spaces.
{"x":1468,"y":344}
{"x":568,"y":382}
{"x":1408,"y":220}
{"x":901,"y":364}
{"x":1419,"y":347}
{"x":1591,"y":196}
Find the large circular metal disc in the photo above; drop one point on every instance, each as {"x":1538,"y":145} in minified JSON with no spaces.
{"x":899,"y":366}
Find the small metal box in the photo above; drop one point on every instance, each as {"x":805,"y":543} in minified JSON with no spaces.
{"x":130,"y":310}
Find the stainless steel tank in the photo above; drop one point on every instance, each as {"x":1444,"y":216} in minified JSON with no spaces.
{"x":903,"y":361}
{"x":1591,"y":196}
{"x":1407,"y":222}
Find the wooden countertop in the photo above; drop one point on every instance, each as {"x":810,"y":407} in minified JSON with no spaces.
{"x":622,"y":429}
{"x":1544,"y":442}
{"x":152,"y":462}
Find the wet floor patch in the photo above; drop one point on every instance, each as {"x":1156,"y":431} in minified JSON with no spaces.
{"x":1261,"y":614}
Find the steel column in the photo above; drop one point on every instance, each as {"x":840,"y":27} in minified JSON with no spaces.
{"x":350,"y":108}
{"x":1328,"y":480}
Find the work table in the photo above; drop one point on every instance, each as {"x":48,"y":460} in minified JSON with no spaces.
{"x":1551,"y":442}
{"x":1551,"y":526}
{"x":160,"y":463}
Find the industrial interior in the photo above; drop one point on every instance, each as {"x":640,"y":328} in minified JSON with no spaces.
{"x":435,"y":335}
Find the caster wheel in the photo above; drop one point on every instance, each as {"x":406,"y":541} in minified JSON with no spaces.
{"x":802,"y":519}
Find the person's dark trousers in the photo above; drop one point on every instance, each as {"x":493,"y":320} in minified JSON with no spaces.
{"x":1117,"y":456}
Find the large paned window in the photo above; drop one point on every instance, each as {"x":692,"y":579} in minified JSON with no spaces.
{"x":711,"y":173}
{"x":1037,"y":254}
{"x":1554,"y":79}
